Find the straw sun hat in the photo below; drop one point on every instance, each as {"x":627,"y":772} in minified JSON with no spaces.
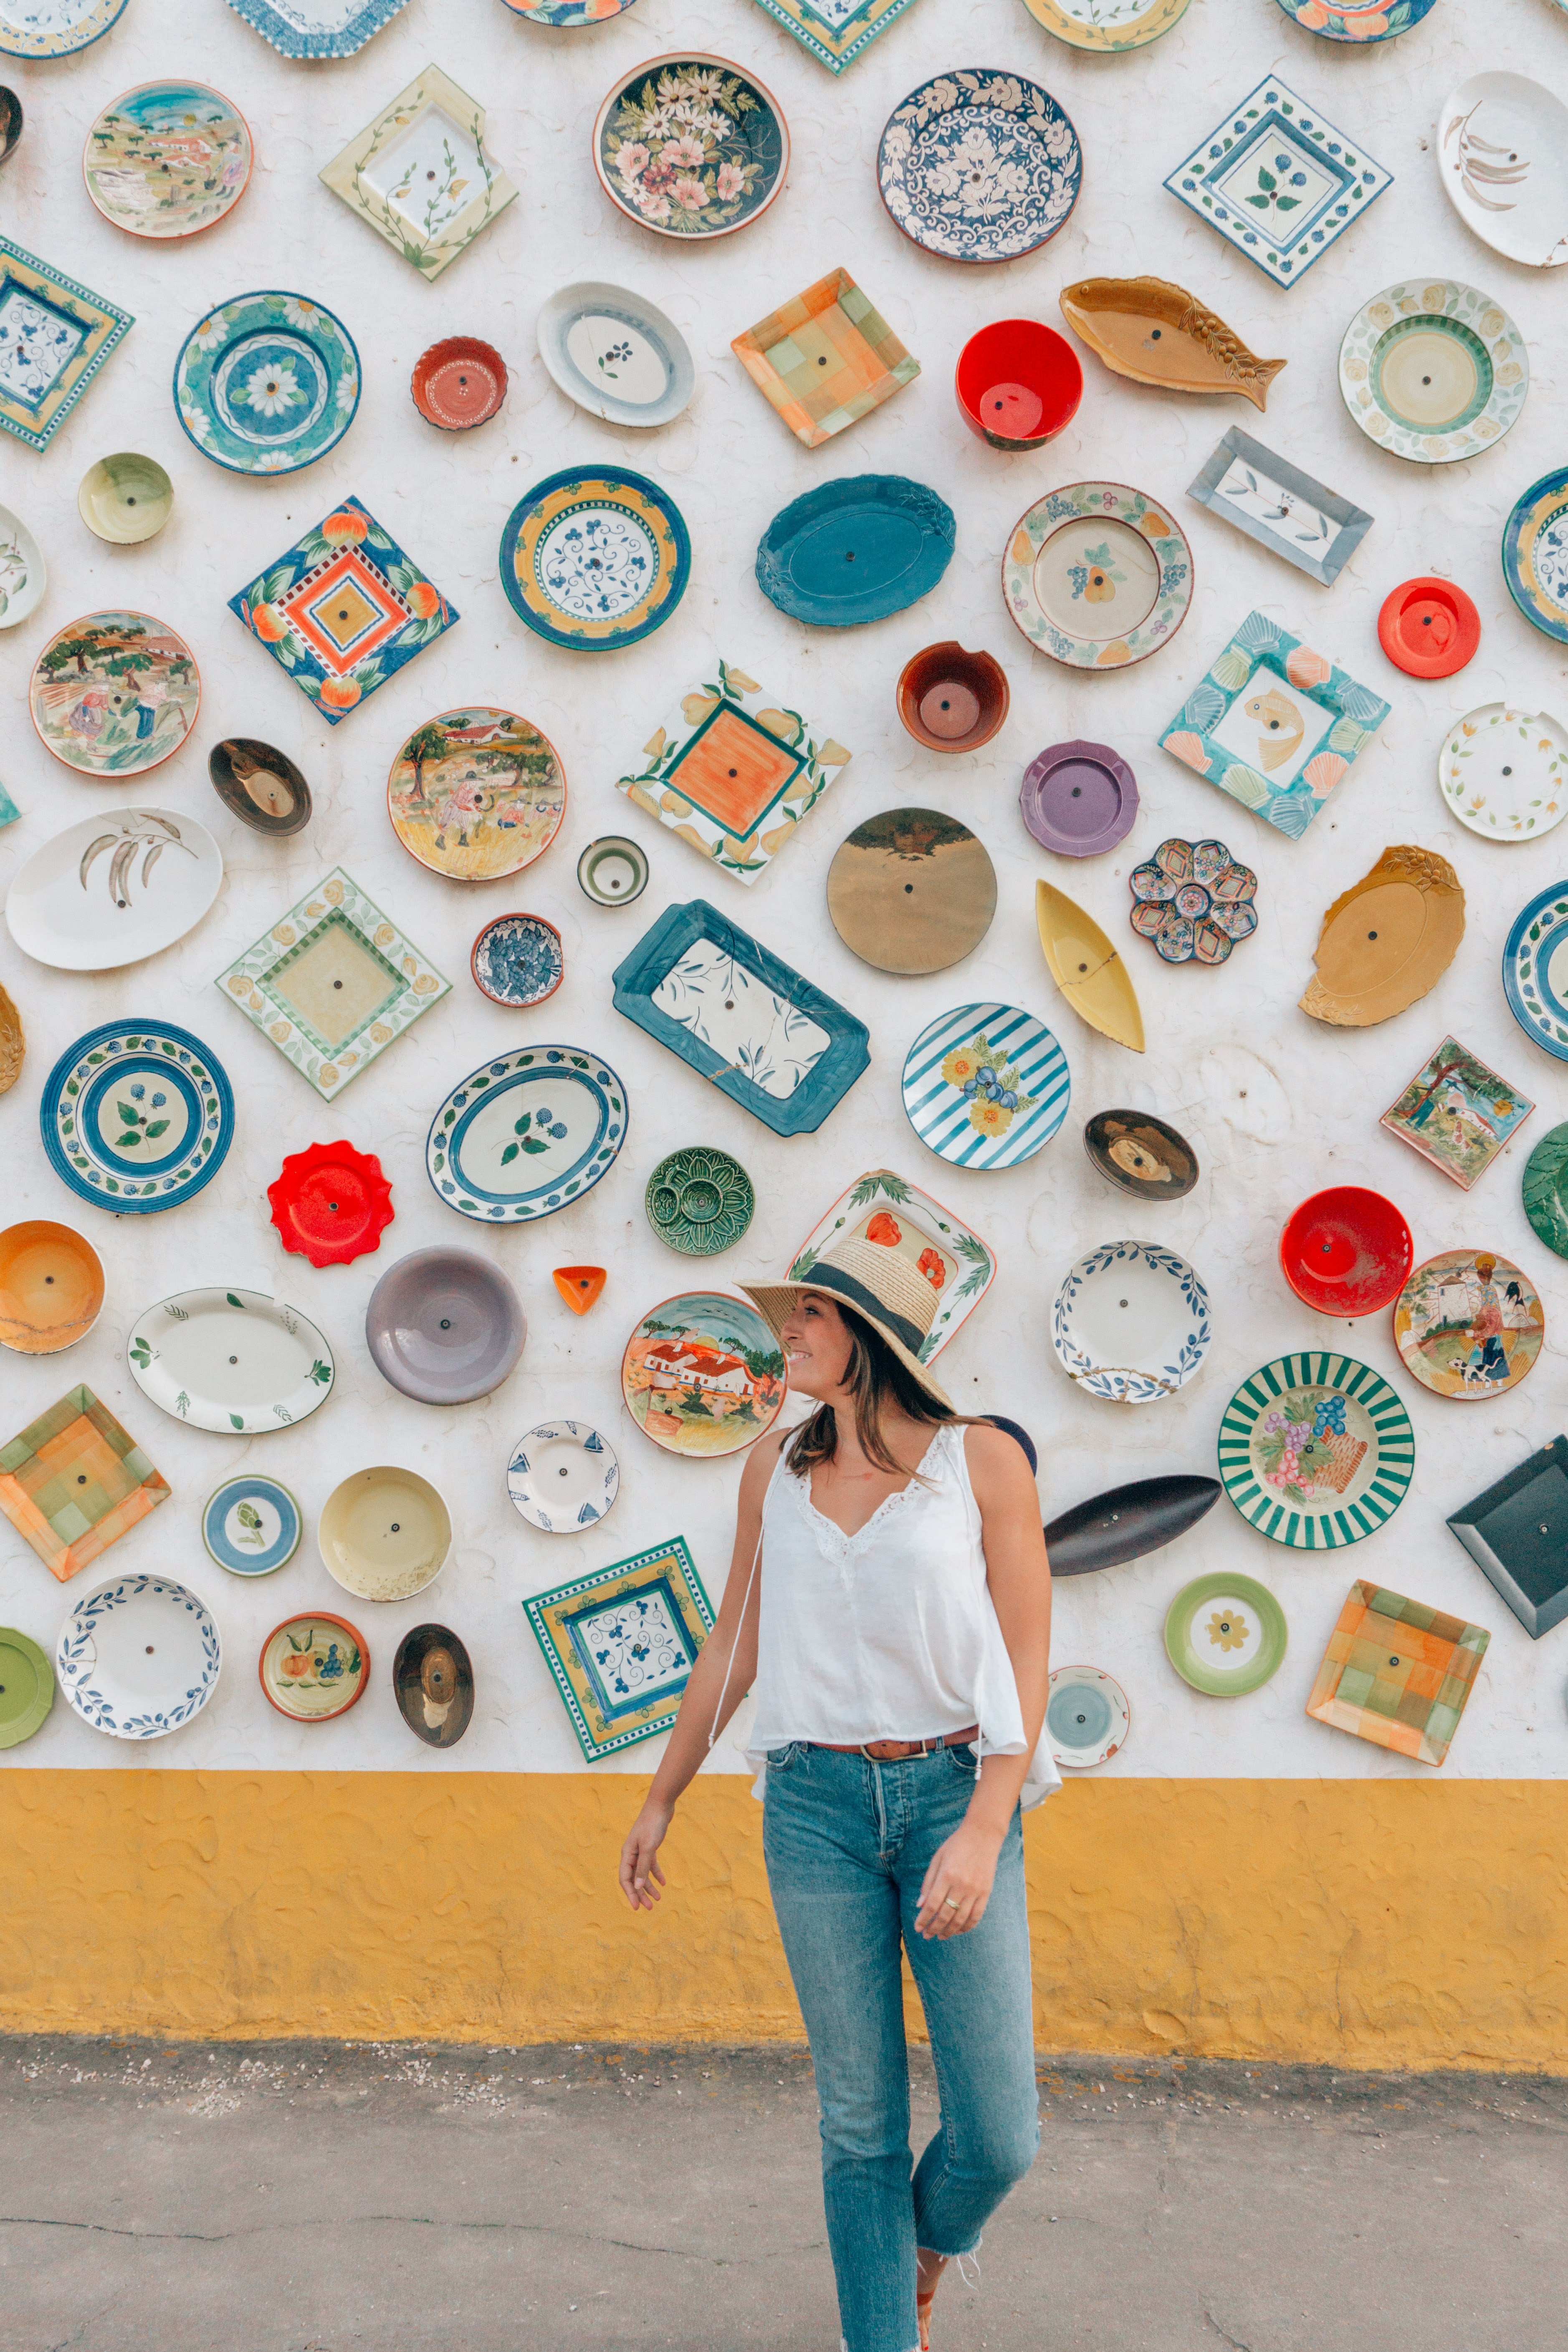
{"x":878,"y":1285}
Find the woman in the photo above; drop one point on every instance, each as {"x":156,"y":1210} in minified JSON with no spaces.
{"x":890,"y":1600}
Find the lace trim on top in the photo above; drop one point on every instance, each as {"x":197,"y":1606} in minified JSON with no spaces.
{"x":831,"y":1540}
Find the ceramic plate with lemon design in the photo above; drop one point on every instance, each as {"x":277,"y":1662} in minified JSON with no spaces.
{"x":594,"y":558}
{"x":1226,"y":1634}
{"x":985,"y":1086}
{"x":268,"y":383}
{"x":1097,"y":576}
{"x":1434,"y":370}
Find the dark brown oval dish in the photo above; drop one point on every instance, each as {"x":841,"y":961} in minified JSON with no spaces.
{"x":1128,"y":1521}
{"x":1139,"y":1154}
{"x":434,"y":1685}
{"x":260,"y":786}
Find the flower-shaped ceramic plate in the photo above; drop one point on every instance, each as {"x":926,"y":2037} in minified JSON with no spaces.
{"x":1356,"y":20}
{"x":54,"y":28}
{"x":856,"y":549}
{"x":527,"y":1134}
{"x":267,"y":383}
{"x":518,"y":959}
{"x":985,"y":1086}
{"x":1504,"y":775}
{"x":1087,"y":1716}
{"x":1502,"y":148}
{"x":476,"y":793}
{"x":979,"y":165}
{"x":235,"y":1361}
{"x":703,"y":1375}
{"x":114,"y":693}
{"x":331,"y":1203}
{"x":24,"y":574}
{"x":1097,"y":576}
{"x":1468,"y":1324}
{"x":616,"y":355}
{"x":1192,"y":900}
{"x":1113,"y":24}
{"x":113,"y":889}
{"x":885,"y":1208}
{"x":314,"y":1667}
{"x":1315,"y":1450}
{"x":251,"y":1525}
{"x":690,"y":146}
{"x":1079,"y":799}
{"x":138,"y":1657}
{"x":1545,"y":1190}
{"x":137,"y":1116}
{"x":563,"y":1476}
{"x":1535,"y":554}
{"x":700,"y":1200}
{"x":594,"y":558}
{"x":1535,"y":970}
{"x":1226,"y":1634}
{"x":27,"y":1686}
{"x":167,"y":158}
{"x":1434,"y":370}
{"x":1130,"y":1322}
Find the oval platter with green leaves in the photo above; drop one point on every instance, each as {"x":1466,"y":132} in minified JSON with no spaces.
{"x":234,"y":1362}
{"x":1315,"y":1450}
{"x":527,"y":1134}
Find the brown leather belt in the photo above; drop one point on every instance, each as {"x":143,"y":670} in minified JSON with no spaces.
{"x":893,"y":1751}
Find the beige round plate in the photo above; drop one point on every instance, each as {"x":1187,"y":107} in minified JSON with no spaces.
{"x":384,"y":1534}
{"x":912,"y":890}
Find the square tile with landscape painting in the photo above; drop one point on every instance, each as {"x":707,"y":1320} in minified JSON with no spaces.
{"x":1397,"y":1673}
{"x":621,"y":1644}
{"x":74,"y":1481}
{"x":1457,"y":1113}
{"x":825,"y":359}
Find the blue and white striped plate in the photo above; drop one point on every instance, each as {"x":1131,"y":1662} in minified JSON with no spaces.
{"x":986,"y":1086}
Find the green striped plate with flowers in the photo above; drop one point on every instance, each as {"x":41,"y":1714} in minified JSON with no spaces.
{"x":1315,"y":1450}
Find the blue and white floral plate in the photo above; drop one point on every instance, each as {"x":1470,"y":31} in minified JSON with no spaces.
{"x":985,"y":1086}
{"x":138,"y":1657}
{"x":251,"y":1525}
{"x":1535,"y":554}
{"x":1130,"y":1322}
{"x":234,"y":1362}
{"x":1535,"y":970}
{"x":1358,"y":21}
{"x":267,"y":383}
{"x":527,"y":1134}
{"x":563,"y":1476}
{"x":979,"y":165}
{"x":137,"y":1116}
{"x":518,"y":959}
{"x":1097,"y":576}
{"x":594,"y":558}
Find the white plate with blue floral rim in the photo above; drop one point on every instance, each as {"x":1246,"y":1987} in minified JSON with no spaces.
{"x":54,"y":28}
{"x":563,"y":1476}
{"x":138,"y":1657}
{"x":266,"y":382}
{"x":1086,"y":1716}
{"x":251,"y":1525}
{"x":1130,"y":1322}
{"x":137,"y":1116}
{"x":234,"y":1362}
{"x":527,"y":1134}
{"x":985,"y":1086}
{"x":979,"y":165}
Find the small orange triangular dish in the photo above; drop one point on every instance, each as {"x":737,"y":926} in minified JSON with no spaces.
{"x":580,"y":1286}
{"x":1087,"y":967}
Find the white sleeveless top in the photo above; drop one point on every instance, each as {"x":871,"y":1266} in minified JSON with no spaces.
{"x":890,"y":1633}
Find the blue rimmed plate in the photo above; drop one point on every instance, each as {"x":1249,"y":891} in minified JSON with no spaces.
{"x":137,"y":1116}
{"x":251,"y":1525}
{"x":57,"y":29}
{"x":1130,"y":1322}
{"x":979,"y":165}
{"x":1535,"y":554}
{"x":1315,"y":1450}
{"x":563,"y":1476}
{"x":856,"y":549}
{"x":985,"y":1086}
{"x":317,"y":29}
{"x":138,"y":1657}
{"x":594,"y":558}
{"x":527,"y":1134}
{"x":268,"y":383}
{"x":1535,"y":970}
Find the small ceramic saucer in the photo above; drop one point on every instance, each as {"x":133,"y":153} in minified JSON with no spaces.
{"x":582,"y":1287}
{"x":700,"y":1200}
{"x":444,"y":1326}
{"x":526,"y":1134}
{"x":138,"y":1657}
{"x":912,"y":890}
{"x":1346,"y":1252}
{"x":1130,"y":1322}
{"x":251,"y":1525}
{"x":260,"y":786}
{"x":594,"y":558}
{"x":137,"y":1116}
{"x":1079,"y":799}
{"x":1086,"y":1716}
{"x":1470,"y":1324}
{"x":1098,"y":576}
{"x":51,"y":1287}
{"x":459,"y":384}
{"x":563,"y":1476}
{"x":1535,"y":970}
{"x":612,"y":871}
{"x":1018,"y":384}
{"x":433,"y":1681}
{"x":24,"y":574}
{"x":518,"y":959}
{"x":234,"y":1362}
{"x":1429,"y":628}
{"x":384,"y":1534}
{"x":125,"y":499}
{"x":314,"y":1667}
{"x":476,"y":794}
{"x":1544,"y":1186}
{"x":114,"y":889}
{"x":1505,"y":774}
{"x":1139,"y":1154}
{"x":331,"y":1203}
{"x":690,"y":146}
{"x":616,"y":355}
{"x":978,"y":166}
{"x":268,"y":383}
{"x":114,"y":693}
{"x":1434,"y":370}
{"x":1502,"y":150}
{"x":1226,"y":1634}
{"x":167,"y":158}
{"x":1535,"y":554}
{"x":952,"y":701}
{"x":985,"y":1086}
{"x":1192,"y":900}
{"x":27,"y":1686}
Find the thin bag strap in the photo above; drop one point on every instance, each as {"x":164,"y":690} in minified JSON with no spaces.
{"x":756,"y":1559}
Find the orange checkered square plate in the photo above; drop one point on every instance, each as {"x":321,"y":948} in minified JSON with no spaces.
{"x":825,"y":358}
{"x":1397,"y":1673}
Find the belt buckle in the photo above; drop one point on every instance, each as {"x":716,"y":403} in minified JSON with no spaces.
{"x":901,"y":1750}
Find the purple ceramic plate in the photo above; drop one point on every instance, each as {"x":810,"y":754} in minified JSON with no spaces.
{"x":444,"y":1326}
{"x":1079,"y":799}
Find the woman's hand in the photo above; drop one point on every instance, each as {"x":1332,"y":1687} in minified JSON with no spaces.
{"x":958,"y":1883}
{"x":639,"y":1865}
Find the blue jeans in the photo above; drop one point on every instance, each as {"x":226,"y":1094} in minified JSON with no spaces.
{"x":847,"y":1844}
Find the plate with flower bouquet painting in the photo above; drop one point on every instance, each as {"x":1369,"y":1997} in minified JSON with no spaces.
{"x":690,"y":146}
{"x":1315,"y":1450}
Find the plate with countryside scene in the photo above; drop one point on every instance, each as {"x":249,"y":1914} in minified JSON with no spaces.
{"x":703,"y":1375}
{"x":476,"y":793}
{"x":114,"y":693}
{"x":692,"y":147}
{"x":1468,"y":1324}
{"x":885,"y":1208}
{"x":167,"y":158}
{"x":1315,"y":1450}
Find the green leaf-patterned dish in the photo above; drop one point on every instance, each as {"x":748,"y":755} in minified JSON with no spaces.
{"x":1434,"y":370}
{"x":1545,"y":1189}
{"x":1315,"y":1450}
{"x":700,"y":1200}
{"x":234,"y":1362}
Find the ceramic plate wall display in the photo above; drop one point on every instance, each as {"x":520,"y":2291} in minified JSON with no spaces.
{"x":582,"y":1287}
{"x":1502,"y":145}
{"x":620,"y":1645}
{"x":690,"y":146}
{"x":1535,"y":554}
{"x":1545,"y":1190}
{"x":741,"y":1018}
{"x":1140,"y":1155}
{"x":1112,"y":25}
{"x":139,"y":1657}
{"x":137,"y":1116}
{"x":167,"y":158}
{"x":612,"y":871}
{"x":1079,"y":799}
{"x":563,"y":1476}
{"x":1397,"y":1673}
{"x":1126,"y":1522}
{"x":1387,"y":940}
{"x":1087,"y":967}
{"x":1226,"y":1634}
{"x":1277,"y":182}
{"x":74,"y":1481}
{"x":331,"y":1203}
{"x":55,"y":335}
{"x":230,"y":1360}
{"x":1468,"y":1324}
{"x":595,"y":559}
{"x":251,"y":1525}
{"x":54,"y":28}
{"x":1130,"y":1322}
{"x":703,"y":1375}
{"x":885,"y":1208}
{"x":1275,"y":724}
{"x":1535,"y":970}
{"x":1505,"y":774}
{"x":260,"y":786}
{"x":113,"y":889}
{"x":825,"y":358}
{"x":27,"y":1687}
{"x":1356,"y":20}
{"x":420,"y":173}
{"x":951,"y":699}
{"x":1346,"y":1251}
{"x":1192,"y":900}
{"x":912,"y":890}
{"x":477,"y":794}
{"x":384,"y":1534}
{"x":314,"y":1667}
{"x":1096,"y":576}
{"x":1281,"y":507}
{"x":616,"y":355}
{"x":125,"y":499}
{"x":1434,"y":370}
{"x":433,"y":1680}
{"x":1315,"y":1450}
{"x":1154,"y":332}
{"x":51,"y":1287}
{"x":1515,"y":1533}
{"x":518,"y":959}
{"x":733,"y":770}
{"x":985,"y":1086}
{"x":344,"y":610}
{"x":979,"y":165}
{"x":527,"y":1134}
{"x":114,"y":693}
{"x":1087,"y":1714}
{"x":332,"y":984}
{"x":444,"y":1326}
{"x":267,"y":383}
{"x":317,"y":29}
{"x":458,"y":382}
{"x":700,"y":1200}
{"x":24,"y":574}
{"x":1457,"y":1113}
{"x":856,"y":549}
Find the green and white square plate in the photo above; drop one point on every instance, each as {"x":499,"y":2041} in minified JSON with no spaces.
{"x":419,"y":174}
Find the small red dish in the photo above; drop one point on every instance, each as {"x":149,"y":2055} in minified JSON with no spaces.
{"x":1429,"y":628}
{"x":951,"y":699}
{"x":1018,"y":384}
{"x":459,"y":384}
{"x":331,"y":1203}
{"x":1346,"y":1252}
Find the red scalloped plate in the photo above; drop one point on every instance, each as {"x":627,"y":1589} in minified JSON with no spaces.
{"x":331,"y":1203}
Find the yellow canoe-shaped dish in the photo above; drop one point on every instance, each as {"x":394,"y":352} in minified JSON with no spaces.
{"x":13,"y":1044}
{"x":1158,"y":334}
{"x":1087,"y":967}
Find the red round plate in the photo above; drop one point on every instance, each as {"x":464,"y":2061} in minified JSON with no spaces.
{"x":331,"y":1203}
{"x":1347,"y":1251}
{"x":1429,"y":628}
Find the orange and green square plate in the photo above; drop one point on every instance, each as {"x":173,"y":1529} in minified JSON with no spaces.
{"x":75,"y":1481}
{"x":825,"y":358}
{"x":1397,"y":1673}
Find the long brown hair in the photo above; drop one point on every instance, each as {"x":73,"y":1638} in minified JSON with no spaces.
{"x":875,"y":1378}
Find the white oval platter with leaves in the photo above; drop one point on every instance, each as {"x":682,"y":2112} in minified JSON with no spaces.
{"x":116,"y":888}
{"x":234,"y":1362}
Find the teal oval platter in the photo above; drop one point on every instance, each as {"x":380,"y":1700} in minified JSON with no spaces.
{"x":527,"y":1134}
{"x":251,"y":1525}
{"x":1535,"y":554}
{"x":856,"y":549}
{"x":1360,"y":22}
{"x":1226,"y":1634}
{"x":267,"y":383}
{"x":594,"y":558}
{"x":1535,"y":970}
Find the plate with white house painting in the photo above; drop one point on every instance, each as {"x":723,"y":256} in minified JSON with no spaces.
{"x":1277,"y":182}
{"x":985,"y":1086}
{"x":563,"y":1476}
{"x":526,"y":1134}
{"x":885,"y":1208}
{"x":235,"y":1361}
{"x":139,"y":1657}
{"x":1281,"y":507}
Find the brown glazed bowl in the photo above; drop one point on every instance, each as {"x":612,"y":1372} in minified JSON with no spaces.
{"x":952,"y":700}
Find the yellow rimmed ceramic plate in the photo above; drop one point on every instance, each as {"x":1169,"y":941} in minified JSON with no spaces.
{"x":595,"y":559}
{"x":1107,"y":24}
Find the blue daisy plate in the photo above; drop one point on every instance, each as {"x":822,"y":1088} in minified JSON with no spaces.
{"x":268,"y":383}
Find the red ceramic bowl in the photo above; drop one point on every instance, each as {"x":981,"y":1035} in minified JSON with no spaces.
{"x":459,"y":384}
{"x":1429,"y":628}
{"x":1018,"y":384}
{"x":1346,"y":1252}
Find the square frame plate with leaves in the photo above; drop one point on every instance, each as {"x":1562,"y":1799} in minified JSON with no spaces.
{"x":74,"y":1481}
{"x":55,"y":335}
{"x":1277,"y":182}
{"x":835,"y":32}
{"x":885,"y":1208}
{"x":1281,"y":507}
{"x":1397,"y":1673}
{"x":332,"y":983}
{"x":732,"y":772}
{"x":825,"y":359}
{"x":1457,"y":1113}
{"x":1275,"y":724}
{"x":419,"y":174}
{"x":621,"y":1645}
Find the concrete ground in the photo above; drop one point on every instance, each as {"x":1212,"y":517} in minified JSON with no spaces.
{"x":304,"y":2197}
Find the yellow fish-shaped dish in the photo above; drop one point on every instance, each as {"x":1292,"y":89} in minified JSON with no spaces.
{"x":1280,"y":728}
{"x":1158,"y":334}
{"x":1087,"y":967}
